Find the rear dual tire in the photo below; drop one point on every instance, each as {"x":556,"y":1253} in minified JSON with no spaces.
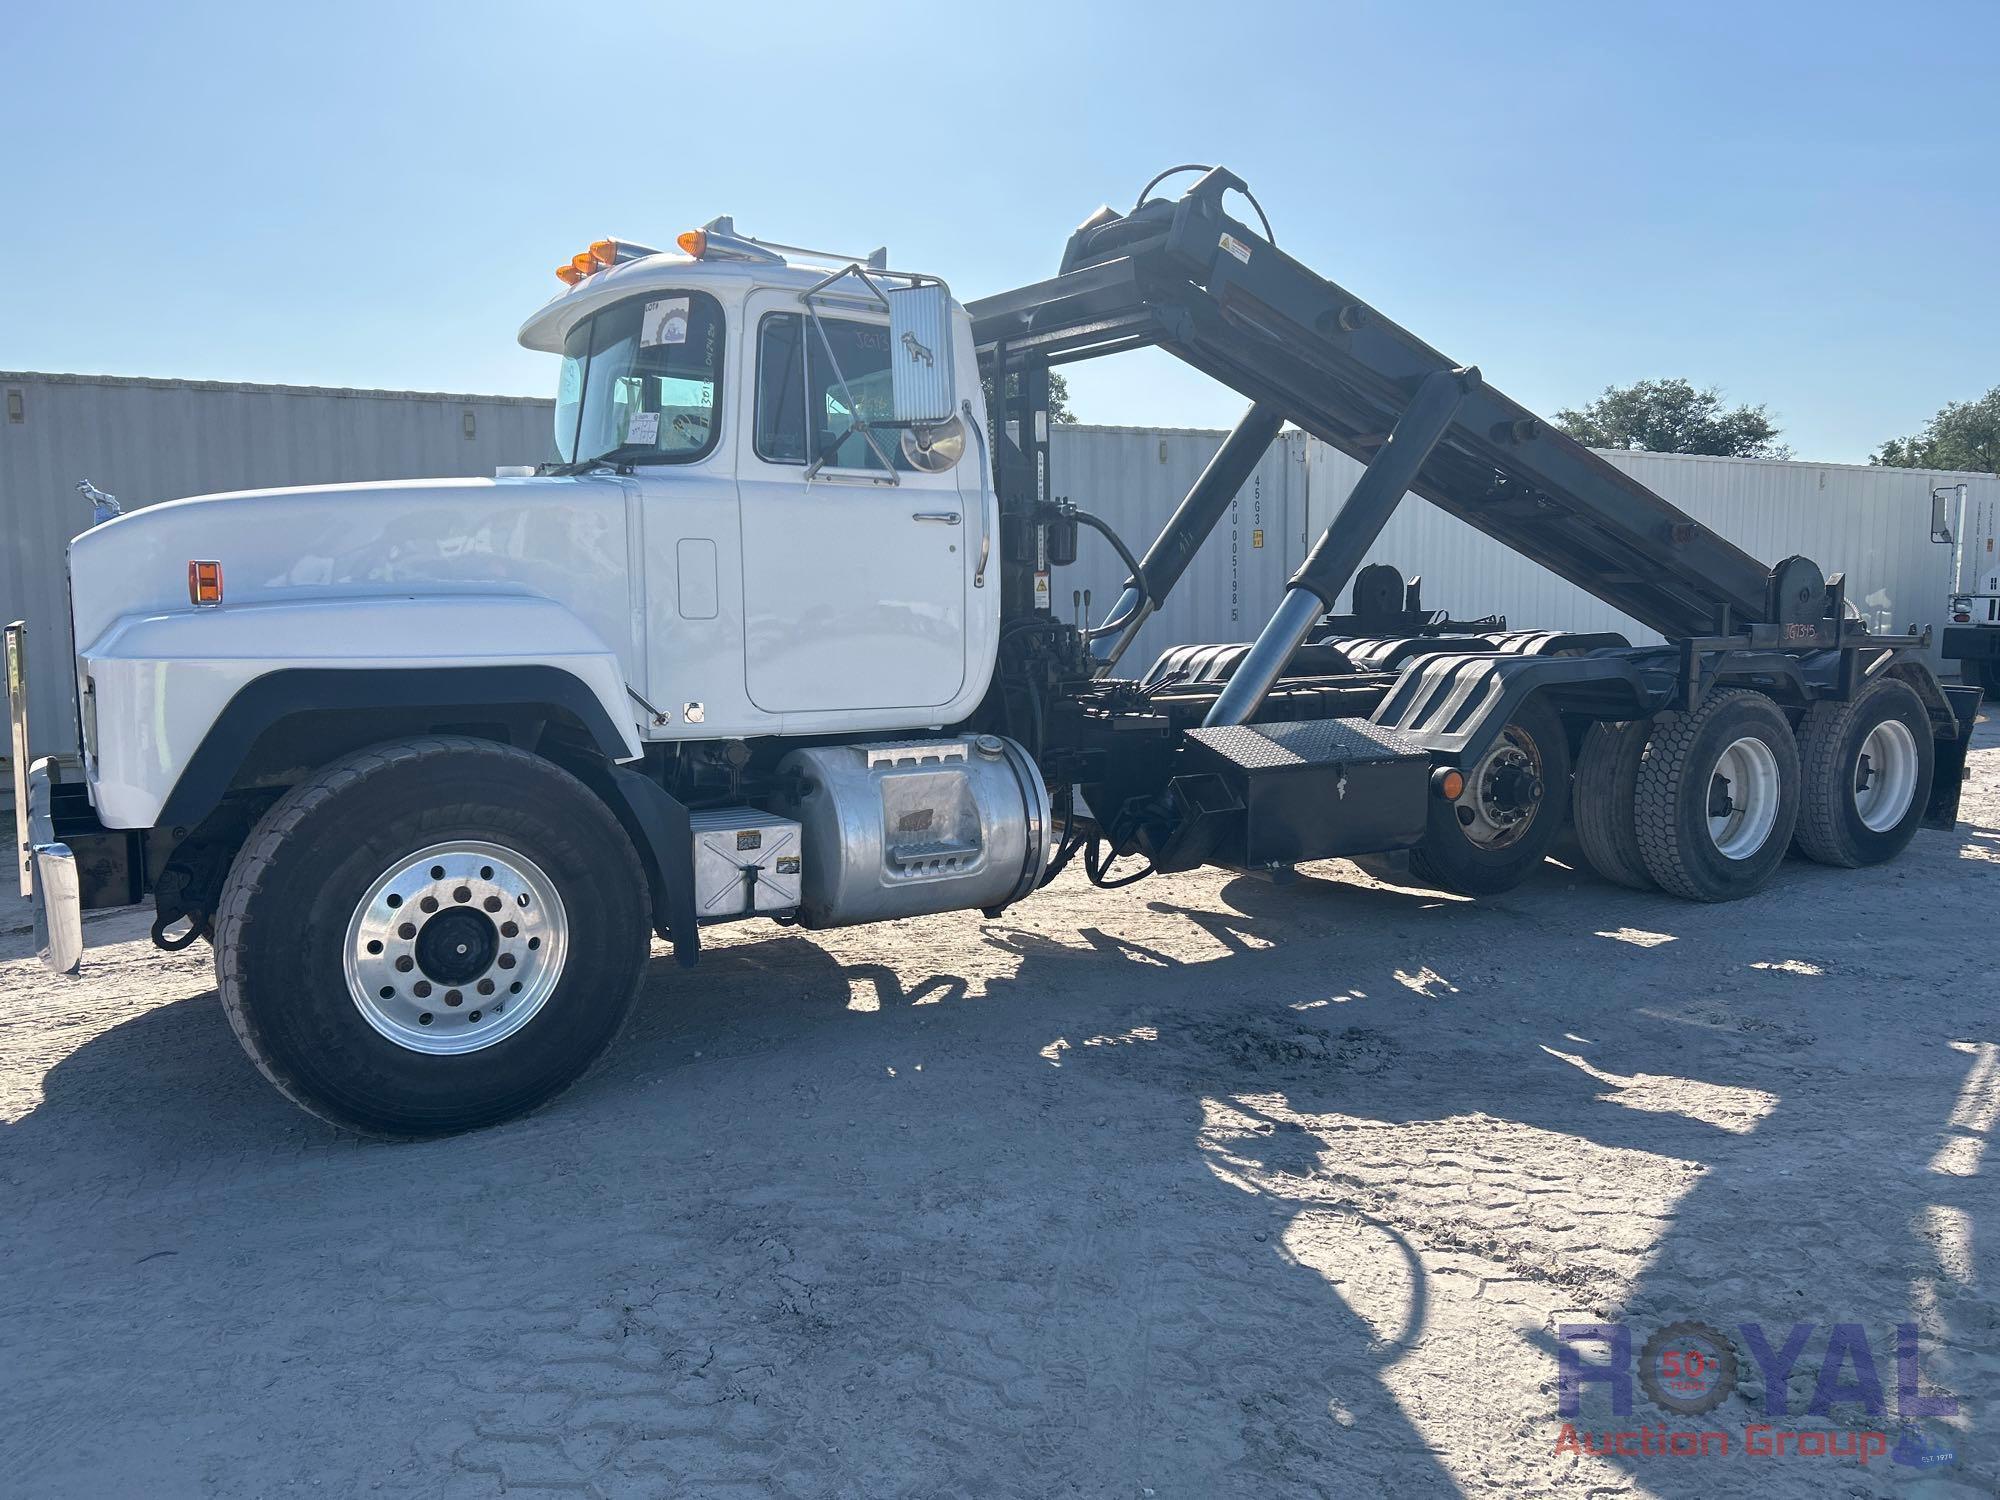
{"x":1867,"y":766}
{"x":1717,"y":796}
{"x":1607,"y":788}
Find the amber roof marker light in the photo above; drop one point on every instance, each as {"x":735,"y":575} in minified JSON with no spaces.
{"x":693,"y":241}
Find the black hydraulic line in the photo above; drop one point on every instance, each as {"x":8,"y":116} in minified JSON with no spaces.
{"x":1103,"y":528}
{"x":1221,"y":176}
{"x":1316,"y":586}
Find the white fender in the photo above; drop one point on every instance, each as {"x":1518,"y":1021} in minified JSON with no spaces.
{"x":158,"y":682}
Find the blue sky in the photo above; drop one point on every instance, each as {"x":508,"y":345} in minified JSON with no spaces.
{"x":1797,"y":202}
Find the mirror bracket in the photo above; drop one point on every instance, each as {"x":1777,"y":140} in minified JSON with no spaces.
{"x":920,"y":325}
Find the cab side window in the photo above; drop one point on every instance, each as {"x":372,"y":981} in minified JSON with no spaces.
{"x":802,"y":404}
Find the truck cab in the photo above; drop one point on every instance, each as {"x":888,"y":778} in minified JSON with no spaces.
{"x":757,"y":564}
{"x":791,"y":571}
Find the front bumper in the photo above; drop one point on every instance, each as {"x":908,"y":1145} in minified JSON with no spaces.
{"x":47,"y":868}
{"x":1972,"y":642}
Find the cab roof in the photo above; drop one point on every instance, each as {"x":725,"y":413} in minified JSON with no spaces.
{"x":728,"y":266}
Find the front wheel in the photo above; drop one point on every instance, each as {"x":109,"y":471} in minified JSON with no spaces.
{"x":431,"y":936}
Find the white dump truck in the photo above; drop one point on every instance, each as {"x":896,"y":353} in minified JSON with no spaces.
{"x":771,"y":636}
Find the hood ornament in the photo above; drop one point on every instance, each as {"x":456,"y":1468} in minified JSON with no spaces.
{"x":102,"y":506}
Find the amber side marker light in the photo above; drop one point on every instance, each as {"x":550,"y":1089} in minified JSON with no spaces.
{"x":204,"y":584}
{"x":1450,"y":784}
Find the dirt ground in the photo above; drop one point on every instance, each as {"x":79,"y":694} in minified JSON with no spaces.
{"x":1206,"y":1187}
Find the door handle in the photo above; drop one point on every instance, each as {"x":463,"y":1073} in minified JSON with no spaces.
{"x":942,"y":517}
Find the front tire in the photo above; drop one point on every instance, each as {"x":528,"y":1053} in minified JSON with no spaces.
{"x":430,"y":936}
{"x":1718,"y":796}
{"x":1867,"y":765}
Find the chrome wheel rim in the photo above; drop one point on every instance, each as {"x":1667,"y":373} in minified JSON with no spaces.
{"x":1885,"y":775}
{"x":1743,"y":798}
{"x":1489,"y":809}
{"x":455,"y":947}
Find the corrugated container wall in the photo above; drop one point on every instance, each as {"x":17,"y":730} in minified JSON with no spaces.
{"x":1869,"y":522}
{"x":1132,"y":478}
{"x":151,"y":440}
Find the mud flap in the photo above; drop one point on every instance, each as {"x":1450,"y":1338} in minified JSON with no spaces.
{"x":659,"y":825}
{"x":1948,"y":780}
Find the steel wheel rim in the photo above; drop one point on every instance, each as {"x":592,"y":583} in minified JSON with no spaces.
{"x":1885,"y":775}
{"x":1492,"y":825}
{"x":1744,"y":785}
{"x":455,"y":947}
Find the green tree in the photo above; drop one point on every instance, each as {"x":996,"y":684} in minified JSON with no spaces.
{"x":1964,"y":435}
{"x":1058,"y":395}
{"x":1059,"y":398}
{"x":1671,"y":416}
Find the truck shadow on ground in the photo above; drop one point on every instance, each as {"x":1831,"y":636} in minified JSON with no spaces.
{"x":1174,"y":1198}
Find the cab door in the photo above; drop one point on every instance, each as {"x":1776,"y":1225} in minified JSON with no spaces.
{"x":854,"y":571}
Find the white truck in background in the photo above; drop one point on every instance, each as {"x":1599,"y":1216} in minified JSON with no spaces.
{"x":1972,"y":636}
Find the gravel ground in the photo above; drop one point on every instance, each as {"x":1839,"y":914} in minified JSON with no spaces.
{"x":1203,"y":1187}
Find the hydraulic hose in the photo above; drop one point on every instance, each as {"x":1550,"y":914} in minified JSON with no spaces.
{"x":1195,"y":166}
{"x":1135,"y":571}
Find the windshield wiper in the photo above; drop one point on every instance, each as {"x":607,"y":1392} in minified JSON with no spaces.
{"x":622,"y":458}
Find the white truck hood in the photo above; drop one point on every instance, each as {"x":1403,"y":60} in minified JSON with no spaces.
{"x":559,"y":537}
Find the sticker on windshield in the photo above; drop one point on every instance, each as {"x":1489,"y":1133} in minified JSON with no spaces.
{"x":643,"y":428}
{"x":665,"y":322}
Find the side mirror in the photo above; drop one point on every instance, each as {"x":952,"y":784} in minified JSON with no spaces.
{"x":1941,"y":498}
{"x":920,"y":365}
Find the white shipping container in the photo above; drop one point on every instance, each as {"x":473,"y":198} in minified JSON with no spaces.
{"x":1872,"y":523}
{"x":150,"y":440}
{"x":1133,"y":477}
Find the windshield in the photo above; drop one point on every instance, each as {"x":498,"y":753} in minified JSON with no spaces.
{"x":638,"y":382}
